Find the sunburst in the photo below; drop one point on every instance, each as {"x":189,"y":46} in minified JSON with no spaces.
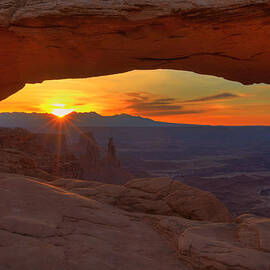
{"x":61,"y":112}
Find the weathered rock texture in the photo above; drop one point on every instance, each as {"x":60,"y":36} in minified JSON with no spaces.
{"x":220,"y":246}
{"x":153,"y":196}
{"x":47,"y":39}
{"x":45,"y":227}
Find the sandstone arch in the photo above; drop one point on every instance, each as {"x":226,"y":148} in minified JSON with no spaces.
{"x":48,"y":39}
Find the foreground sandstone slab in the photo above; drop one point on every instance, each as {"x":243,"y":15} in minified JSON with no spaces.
{"x":45,"y":227}
{"x":42,"y":40}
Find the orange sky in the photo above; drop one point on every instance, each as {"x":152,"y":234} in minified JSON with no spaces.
{"x":164,"y":95}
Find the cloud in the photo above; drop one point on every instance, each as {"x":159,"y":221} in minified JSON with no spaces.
{"x":26,"y":108}
{"x":150,"y":105}
{"x":220,"y":96}
{"x":165,"y":113}
{"x":145,"y":103}
{"x":153,"y":106}
{"x":135,"y":94}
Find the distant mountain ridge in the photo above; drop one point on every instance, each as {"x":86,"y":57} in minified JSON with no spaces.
{"x":33,"y":120}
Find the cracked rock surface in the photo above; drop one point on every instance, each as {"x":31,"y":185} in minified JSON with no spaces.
{"x":44,"y":227}
{"x":47,"y":227}
{"x":48,"y":39}
{"x":153,"y":196}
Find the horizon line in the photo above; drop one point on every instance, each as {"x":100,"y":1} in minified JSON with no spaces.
{"x":203,"y":125}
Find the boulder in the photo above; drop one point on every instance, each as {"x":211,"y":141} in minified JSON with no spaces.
{"x":160,"y":196}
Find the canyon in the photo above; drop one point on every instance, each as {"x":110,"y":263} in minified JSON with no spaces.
{"x":156,"y":223}
{"x":49,"y":156}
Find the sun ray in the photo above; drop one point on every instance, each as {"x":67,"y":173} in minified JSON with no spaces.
{"x":59,"y":147}
{"x":80,"y":131}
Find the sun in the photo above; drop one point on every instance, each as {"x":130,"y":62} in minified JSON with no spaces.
{"x":62,"y":112}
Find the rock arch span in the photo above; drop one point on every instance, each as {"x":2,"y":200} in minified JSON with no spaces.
{"x":48,"y":39}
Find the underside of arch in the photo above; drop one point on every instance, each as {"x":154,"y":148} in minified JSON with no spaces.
{"x":45,"y":39}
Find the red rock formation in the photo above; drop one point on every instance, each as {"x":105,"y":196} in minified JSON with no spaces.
{"x":52,"y":155}
{"x":97,"y":165}
{"x":89,"y":150}
{"x":49,"y":151}
{"x":13,"y":138}
{"x":43,"y":40}
{"x":17,"y":162}
{"x":111,"y":154}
